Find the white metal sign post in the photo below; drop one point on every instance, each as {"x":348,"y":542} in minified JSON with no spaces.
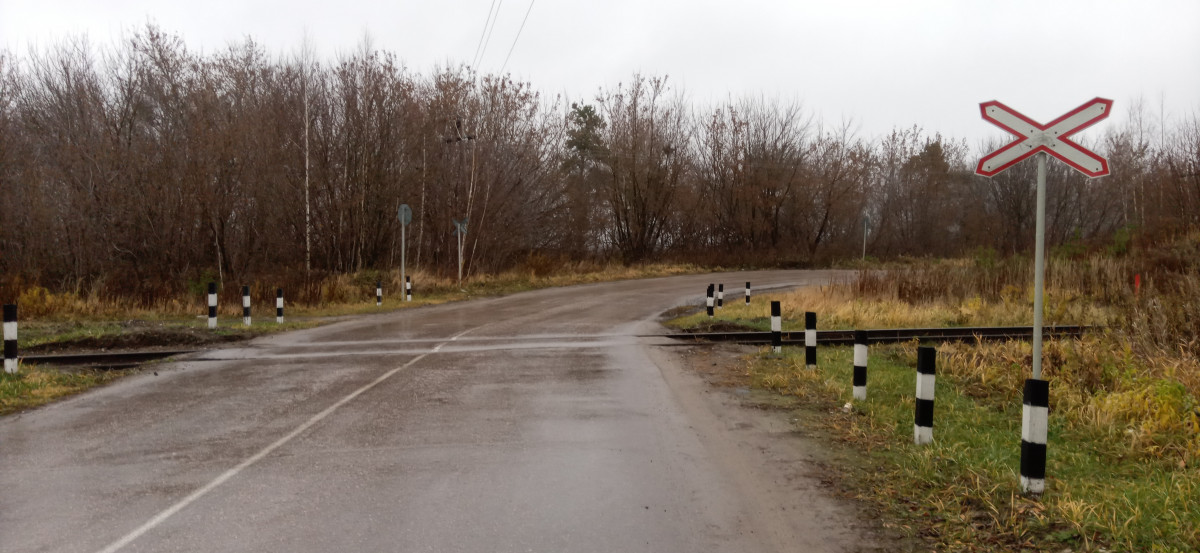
{"x":404,"y":215}
{"x":460,"y":230}
{"x":1053,"y":139}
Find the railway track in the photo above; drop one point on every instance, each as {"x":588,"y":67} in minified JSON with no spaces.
{"x":892,"y":335}
{"x":126,"y":359}
{"x":103,"y":360}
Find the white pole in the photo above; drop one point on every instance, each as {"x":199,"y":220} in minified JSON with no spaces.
{"x":402,"y":248}
{"x":1039,"y":266}
{"x":460,"y":257}
{"x":864,"y":256}
{"x":1035,"y":404}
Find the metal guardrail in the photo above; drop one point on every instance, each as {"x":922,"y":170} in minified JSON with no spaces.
{"x":892,"y":335}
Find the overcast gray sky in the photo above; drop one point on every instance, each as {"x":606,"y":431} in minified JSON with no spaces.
{"x":880,"y":64}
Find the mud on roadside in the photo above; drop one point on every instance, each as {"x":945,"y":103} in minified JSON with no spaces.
{"x":793,"y":454}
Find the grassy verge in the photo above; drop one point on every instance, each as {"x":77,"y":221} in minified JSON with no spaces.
{"x":35,"y":385}
{"x":56,"y":321}
{"x":961,"y":493}
{"x":49,"y":337}
{"x":1124,"y":461}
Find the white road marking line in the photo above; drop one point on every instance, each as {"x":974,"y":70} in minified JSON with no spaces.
{"x":192,"y":497}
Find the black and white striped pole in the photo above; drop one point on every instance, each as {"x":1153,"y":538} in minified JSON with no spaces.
{"x":212,"y":305}
{"x":810,"y":339}
{"x":246,"y":305}
{"x":407,"y":288}
{"x":720,"y":295}
{"x":776,"y":327}
{"x":926,"y":367}
{"x":1034,"y":414}
{"x":708,"y":302}
{"x":378,"y":293}
{"x":10,"y":338}
{"x":860,"y":365}
{"x":747,"y":292}
{"x":279,"y":306}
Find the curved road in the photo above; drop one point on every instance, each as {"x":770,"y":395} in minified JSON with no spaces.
{"x":539,"y":422}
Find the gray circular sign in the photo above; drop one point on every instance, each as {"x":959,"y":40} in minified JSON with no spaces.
{"x":405,"y":214}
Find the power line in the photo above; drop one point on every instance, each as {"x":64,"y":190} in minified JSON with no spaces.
{"x":514,"y":44}
{"x":488,"y":40}
{"x":483,"y":32}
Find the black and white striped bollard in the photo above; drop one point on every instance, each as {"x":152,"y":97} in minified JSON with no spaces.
{"x":378,"y":293}
{"x":810,"y":339}
{"x":747,"y":293}
{"x":407,"y":288}
{"x":776,"y":327}
{"x":212,"y":305}
{"x":708,"y":302}
{"x":279,"y":306}
{"x":1034,"y":421}
{"x":720,"y":295}
{"x":926,"y":367}
{"x":860,"y":365}
{"x":246,"y":305}
{"x":10,"y":338}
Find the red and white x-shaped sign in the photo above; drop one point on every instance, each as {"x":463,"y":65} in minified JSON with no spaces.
{"x":1052,"y":138}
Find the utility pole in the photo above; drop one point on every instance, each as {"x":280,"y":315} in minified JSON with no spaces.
{"x":460,"y":227}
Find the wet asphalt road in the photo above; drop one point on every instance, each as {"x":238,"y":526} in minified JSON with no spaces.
{"x":534,"y":422}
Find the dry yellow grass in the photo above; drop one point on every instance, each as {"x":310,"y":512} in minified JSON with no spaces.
{"x":332,"y":294}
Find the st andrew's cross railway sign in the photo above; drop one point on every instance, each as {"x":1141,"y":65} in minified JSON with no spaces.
{"x":1052,"y":138}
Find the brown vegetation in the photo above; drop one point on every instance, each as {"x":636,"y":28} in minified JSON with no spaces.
{"x":146,"y":169}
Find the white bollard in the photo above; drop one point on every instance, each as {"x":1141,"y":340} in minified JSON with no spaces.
{"x":810,"y":340}
{"x":720,"y":296}
{"x":776,"y":327}
{"x":212,"y":305}
{"x":10,"y":338}
{"x":378,"y":293}
{"x":407,"y":288}
{"x":279,"y":306}
{"x":1035,"y":411}
{"x":246,"y":305}
{"x":860,"y":365}
{"x":926,"y":367}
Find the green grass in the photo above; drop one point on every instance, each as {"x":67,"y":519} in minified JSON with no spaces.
{"x":40,"y":336}
{"x":962,"y":492}
{"x":34,"y":385}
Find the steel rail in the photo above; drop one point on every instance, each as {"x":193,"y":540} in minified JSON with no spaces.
{"x":102,"y":360}
{"x":891,"y":335}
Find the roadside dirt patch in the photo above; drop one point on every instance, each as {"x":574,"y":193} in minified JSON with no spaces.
{"x":782,"y":472}
{"x":769,"y":445}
